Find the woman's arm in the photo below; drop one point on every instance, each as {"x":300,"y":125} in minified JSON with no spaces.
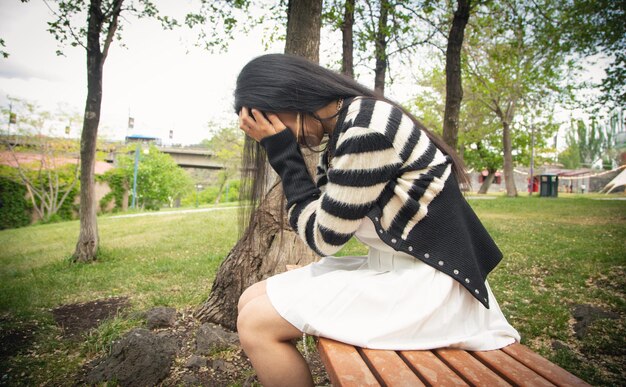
{"x":363,"y":163}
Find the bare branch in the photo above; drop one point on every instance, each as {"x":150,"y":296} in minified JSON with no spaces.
{"x":421,"y":17}
{"x":411,"y":45}
{"x":115,"y":13}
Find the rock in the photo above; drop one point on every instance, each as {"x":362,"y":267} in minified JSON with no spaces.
{"x":190,"y":380}
{"x":196,"y":362}
{"x":559,"y":345}
{"x":210,"y":337}
{"x":223,"y":366}
{"x":140,"y":358}
{"x":586,"y":314}
{"x":160,"y":317}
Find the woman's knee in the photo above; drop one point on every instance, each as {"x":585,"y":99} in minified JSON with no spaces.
{"x":251,"y":292}
{"x":258,"y":321}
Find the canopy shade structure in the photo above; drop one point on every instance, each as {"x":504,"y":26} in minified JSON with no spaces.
{"x":618,"y":181}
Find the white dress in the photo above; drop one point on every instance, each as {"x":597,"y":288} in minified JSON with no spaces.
{"x":387,"y":300}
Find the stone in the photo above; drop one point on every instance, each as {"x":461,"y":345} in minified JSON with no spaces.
{"x":586,"y":314}
{"x":190,"y":380}
{"x":196,"y":361}
{"x":140,"y":358}
{"x":160,"y":317}
{"x":211,"y":337}
{"x":222,"y":366}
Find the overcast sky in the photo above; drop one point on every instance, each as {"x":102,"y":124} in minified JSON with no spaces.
{"x":160,"y":78}
{"x":165,"y":82}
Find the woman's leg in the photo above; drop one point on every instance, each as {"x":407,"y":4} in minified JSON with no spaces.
{"x":266,"y":338}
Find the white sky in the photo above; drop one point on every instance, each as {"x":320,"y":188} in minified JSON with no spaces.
{"x":165,"y":82}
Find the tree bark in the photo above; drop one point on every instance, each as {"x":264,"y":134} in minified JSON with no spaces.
{"x":488,"y":181}
{"x":380,"y":50}
{"x":87,"y":245}
{"x":265,"y":249}
{"x":261,"y":253}
{"x":303,"y":28}
{"x":347,"y":58}
{"x":509,"y":181}
{"x":454,"y":87}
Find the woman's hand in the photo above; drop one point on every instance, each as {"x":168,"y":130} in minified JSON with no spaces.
{"x":259,"y":127}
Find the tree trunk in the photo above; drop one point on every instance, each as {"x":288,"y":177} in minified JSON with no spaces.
{"x":488,"y":180}
{"x":220,"y":190}
{"x":125,"y":196}
{"x":380,"y":50}
{"x":87,"y":245}
{"x":507,"y":146}
{"x":260,"y":254}
{"x":263,"y":252}
{"x":303,"y":28}
{"x":347,"y":58}
{"x":454,"y":87}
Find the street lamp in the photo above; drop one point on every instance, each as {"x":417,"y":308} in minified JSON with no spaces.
{"x":135,"y":170}
{"x":198,"y":188}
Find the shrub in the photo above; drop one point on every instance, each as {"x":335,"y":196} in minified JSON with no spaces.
{"x":14,"y":208}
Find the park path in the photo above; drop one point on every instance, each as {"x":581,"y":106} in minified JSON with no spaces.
{"x":163,"y":213}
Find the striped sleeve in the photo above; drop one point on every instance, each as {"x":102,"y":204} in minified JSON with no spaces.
{"x":364,"y":162}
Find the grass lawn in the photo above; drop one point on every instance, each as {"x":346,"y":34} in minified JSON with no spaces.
{"x":559,"y":253}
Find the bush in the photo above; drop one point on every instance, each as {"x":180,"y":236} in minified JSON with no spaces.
{"x":14,"y":208}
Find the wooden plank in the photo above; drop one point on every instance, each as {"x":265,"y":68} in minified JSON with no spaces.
{"x":431,"y":369}
{"x":390,"y":368}
{"x":510,"y":369}
{"x":472,"y":370}
{"x":542,"y":366}
{"x":344,"y":364}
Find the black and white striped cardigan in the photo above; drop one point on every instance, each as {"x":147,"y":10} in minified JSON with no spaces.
{"x":384,"y":167}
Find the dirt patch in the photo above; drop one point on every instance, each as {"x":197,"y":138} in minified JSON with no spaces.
{"x":15,"y":340}
{"x":76,"y":319}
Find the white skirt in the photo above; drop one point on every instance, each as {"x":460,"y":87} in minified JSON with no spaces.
{"x":387,"y":300}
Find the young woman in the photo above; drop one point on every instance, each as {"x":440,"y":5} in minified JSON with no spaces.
{"x":388,"y":181}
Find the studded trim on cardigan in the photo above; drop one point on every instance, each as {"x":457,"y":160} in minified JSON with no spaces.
{"x":387,"y":169}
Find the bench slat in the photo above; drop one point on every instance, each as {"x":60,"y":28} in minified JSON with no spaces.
{"x":542,"y":366}
{"x":344,"y":364}
{"x":431,"y":369}
{"x":511,"y":369}
{"x":472,"y":370}
{"x":391,"y":369}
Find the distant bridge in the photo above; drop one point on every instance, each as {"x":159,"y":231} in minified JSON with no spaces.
{"x":186,"y":158}
{"x":193,"y":158}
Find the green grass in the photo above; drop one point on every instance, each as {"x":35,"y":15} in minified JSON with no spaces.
{"x":558,"y":253}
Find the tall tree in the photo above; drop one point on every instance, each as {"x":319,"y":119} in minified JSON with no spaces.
{"x":599,"y":27}
{"x":265,"y":249}
{"x":303,"y":28}
{"x":380,"y":47}
{"x":480,"y":130}
{"x":347,"y":34}
{"x":103,"y":27}
{"x":515,"y":61}
{"x":454,"y":87}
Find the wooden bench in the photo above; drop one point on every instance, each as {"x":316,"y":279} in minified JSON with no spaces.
{"x":515,"y":365}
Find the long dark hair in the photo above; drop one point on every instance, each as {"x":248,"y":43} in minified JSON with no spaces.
{"x":276,"y":83}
